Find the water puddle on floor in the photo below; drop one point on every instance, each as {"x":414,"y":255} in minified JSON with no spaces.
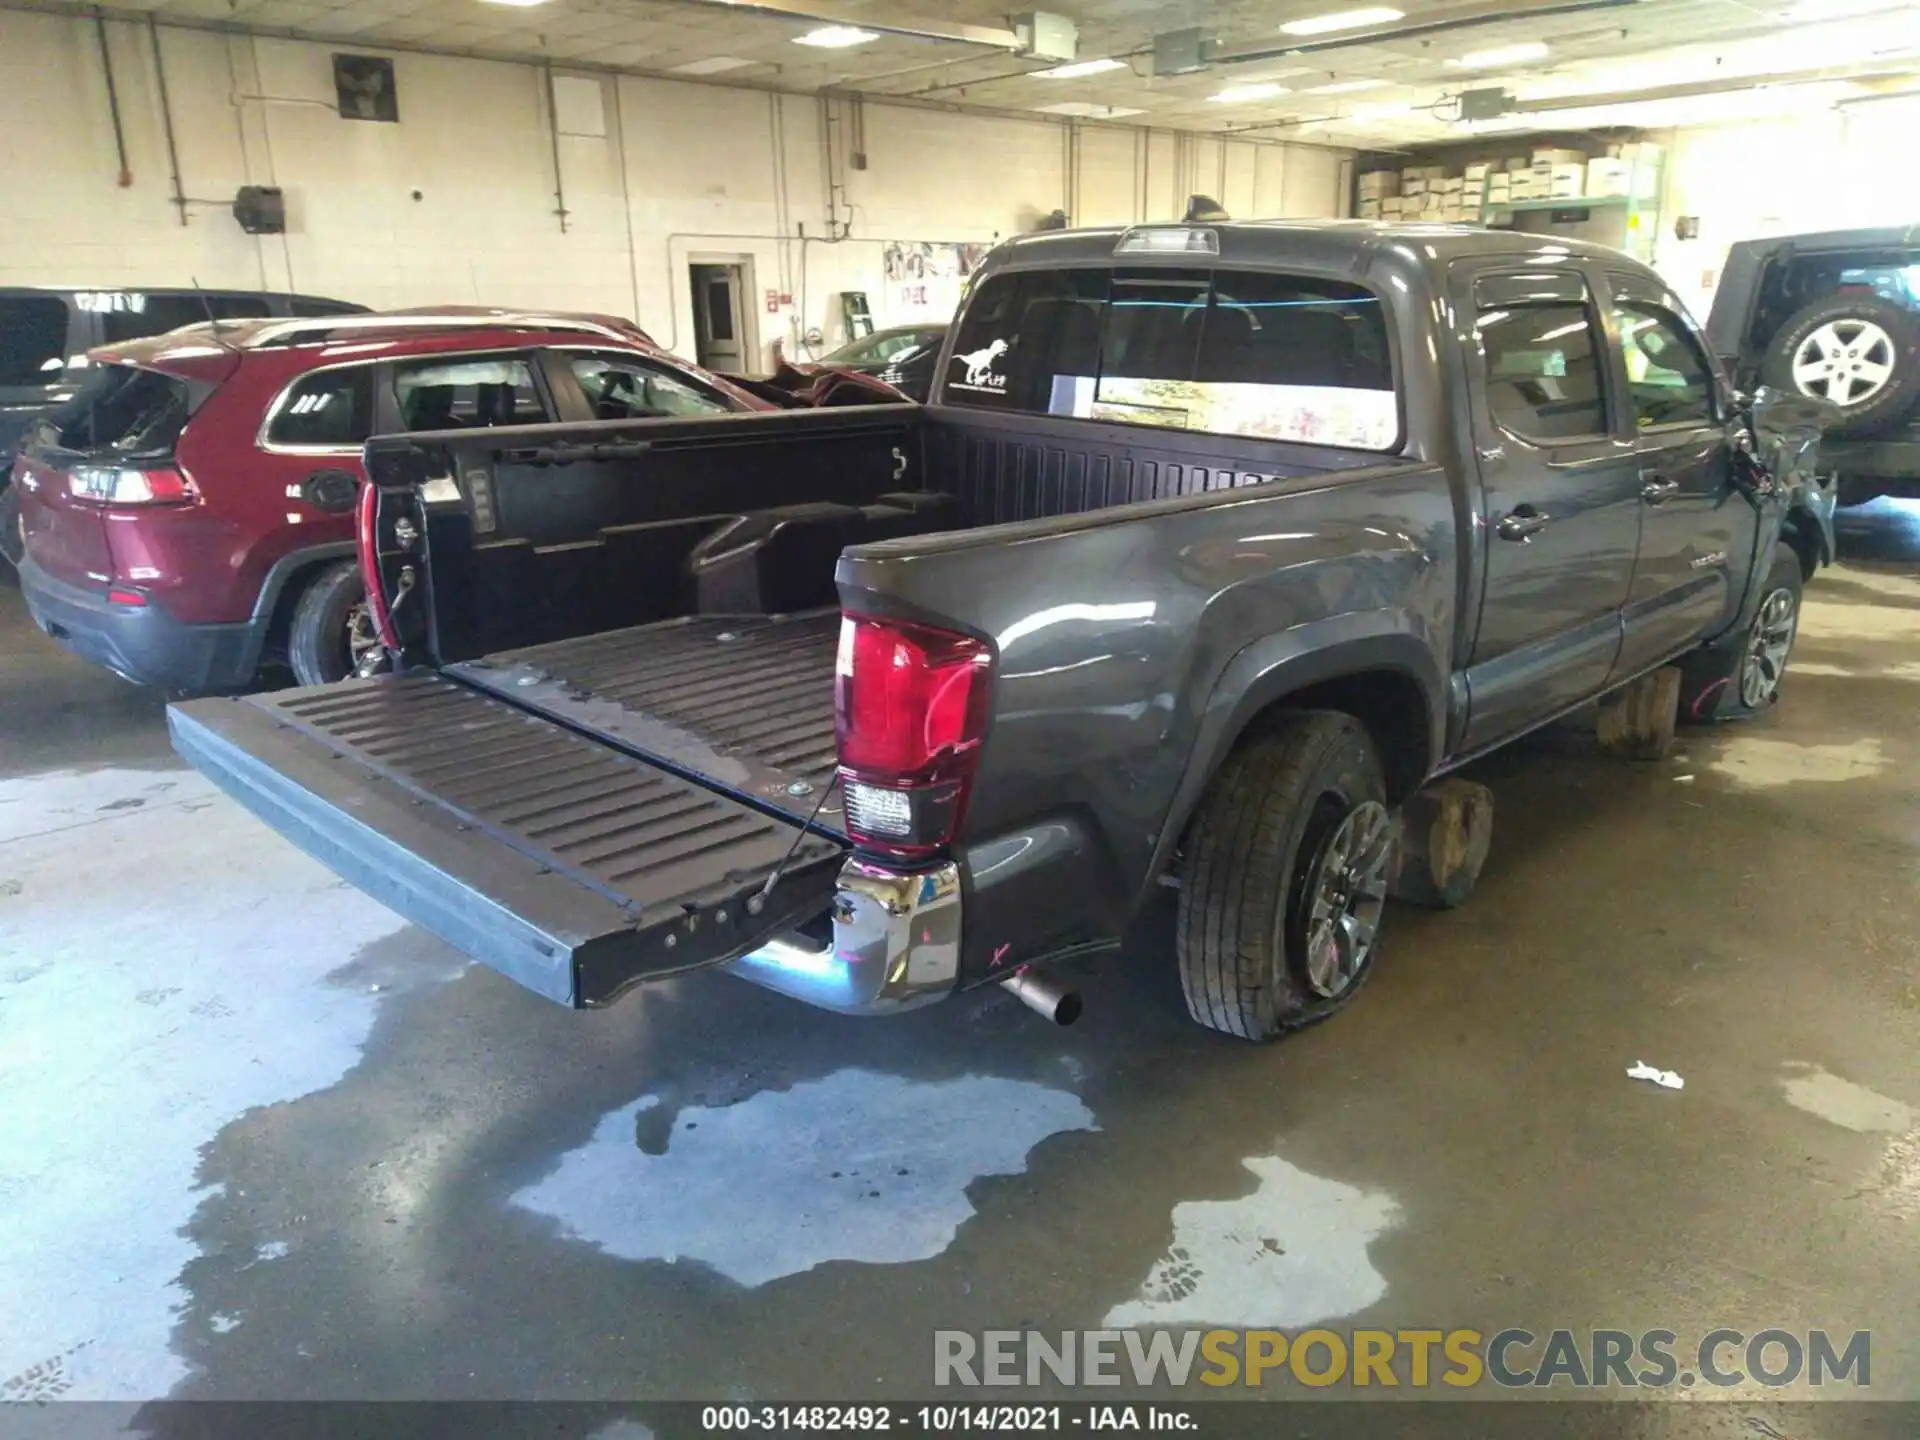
{"x":166,"y":966}
{"x":1755,"y":762}
{"x":1293,"y":1252}
{"x":1841,"y":1102}
{"x":840,"y":1168}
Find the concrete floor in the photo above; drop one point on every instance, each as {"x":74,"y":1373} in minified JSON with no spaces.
{"x":259,"y":1139}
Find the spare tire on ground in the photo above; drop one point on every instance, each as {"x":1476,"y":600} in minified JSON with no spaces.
{"x":1858,"y":351}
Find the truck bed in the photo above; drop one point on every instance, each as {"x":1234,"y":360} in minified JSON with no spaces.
{"x":743,"y":703}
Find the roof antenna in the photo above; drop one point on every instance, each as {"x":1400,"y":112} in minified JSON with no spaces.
{"x":206,"y":305}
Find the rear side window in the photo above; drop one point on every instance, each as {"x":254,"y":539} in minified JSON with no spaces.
{"x":330,"y":409}
{"x":467,"y":392}
{"x":33,"y":339}
{"x":1543,"y":370}
{"x":125,"y":412}
{"x":1253,"y":353}
{"x":622,"y":388}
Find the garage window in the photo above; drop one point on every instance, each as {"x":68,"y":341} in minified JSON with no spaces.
{"x":33,"y":339}
{"x":329,"y":409}
{"x":1251,"y":353}
{"x":1543,"y":370}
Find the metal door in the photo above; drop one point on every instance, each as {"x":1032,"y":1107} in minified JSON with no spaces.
{"x":719,"y":319}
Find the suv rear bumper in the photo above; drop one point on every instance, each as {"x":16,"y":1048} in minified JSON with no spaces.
{"x":141,"y":643}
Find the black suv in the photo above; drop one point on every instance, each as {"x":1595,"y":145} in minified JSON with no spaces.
{"x":1835,"y":316}
{"x":46,"y":332}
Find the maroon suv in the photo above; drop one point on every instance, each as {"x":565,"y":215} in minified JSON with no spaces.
{"x":189,"y":515}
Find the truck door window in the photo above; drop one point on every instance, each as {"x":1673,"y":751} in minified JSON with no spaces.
{"x":1668,"y":378}
{"x":467,"y":392}
{"x":327,"y":410}
{"x":1543,"y":370}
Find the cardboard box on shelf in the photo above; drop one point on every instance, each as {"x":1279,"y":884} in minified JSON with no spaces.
{"x":1368,"y":210}
{"x":1516,"y":164}
{"x":1523,"y":187}
{"x":1433,"y":172}
{"x":1453,"y":185}
{"x":1499,"y":187}
{"x":1565,"y":180}
{"x":1412,"y":189}
{"x":1392,"y":207}
{"x":1609,"y":177}
{"x":1377,"y":184}
{"x":1558,"y":157}
{"x":1478,"y":172}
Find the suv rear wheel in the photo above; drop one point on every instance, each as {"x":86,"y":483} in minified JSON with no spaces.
{"x":1285,"y":879}
{"x":332,"y":631}
{"x":1857,"y":351}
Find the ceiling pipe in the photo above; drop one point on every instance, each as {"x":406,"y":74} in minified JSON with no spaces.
{"x":1688,"y":89}
{"x":914,"y":27}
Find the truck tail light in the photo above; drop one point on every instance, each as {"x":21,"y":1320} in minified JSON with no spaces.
{"x":115,"y":485}
{"x":910,"y":711}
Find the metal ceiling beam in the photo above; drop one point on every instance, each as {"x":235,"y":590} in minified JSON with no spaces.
{"x":1687,"y":90}
{"x":914,"y":27}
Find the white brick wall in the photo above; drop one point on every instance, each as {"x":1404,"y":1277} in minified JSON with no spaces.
{"x":700,"y":181}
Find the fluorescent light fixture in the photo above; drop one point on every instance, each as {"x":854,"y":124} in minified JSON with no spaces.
{"x":1079,"y":68}
{"x":518,"y":4}
{"x":835,"y":37}
{"x":1347,"y":87}
{"x":1342,"y":20}
{"x":1504,"y":55}
{"x":1239,"y":94}
{"x":1087,"y":110}
{"x":712,"y":65}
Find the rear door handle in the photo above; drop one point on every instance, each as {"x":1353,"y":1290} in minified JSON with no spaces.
{"x":1657,"y":489}
{"x":1523,"y":524}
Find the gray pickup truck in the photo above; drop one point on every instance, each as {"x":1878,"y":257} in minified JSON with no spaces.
{"x":1215,"y":544}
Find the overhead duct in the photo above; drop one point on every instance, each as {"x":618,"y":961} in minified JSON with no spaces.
{"x":1211,"y":54}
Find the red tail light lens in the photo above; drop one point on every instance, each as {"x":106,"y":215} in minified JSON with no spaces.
{"x":910,"y":706}
{"x":114,"y":485}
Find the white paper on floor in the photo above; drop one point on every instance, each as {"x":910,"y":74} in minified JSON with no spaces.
{"x":1291,"y":1253}
{"x":856,"y":1166}
{"x":161,"y":960}
{"x":1665,"y":1079}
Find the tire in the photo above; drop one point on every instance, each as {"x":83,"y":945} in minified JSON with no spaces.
{"x":1282,"y":809}
{"x":13,"y":540}
{"x":1740,"y":676}
{"x":318,"y":647}
{"x":1858,"y":351}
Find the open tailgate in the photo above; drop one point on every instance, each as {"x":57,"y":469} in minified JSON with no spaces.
{"x":563,"y":862}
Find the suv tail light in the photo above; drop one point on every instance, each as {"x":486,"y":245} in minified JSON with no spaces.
{"x":910,"y":711}
{"x":115,"y":485}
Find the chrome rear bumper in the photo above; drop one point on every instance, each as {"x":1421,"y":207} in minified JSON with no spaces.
{"x":896,"y":945}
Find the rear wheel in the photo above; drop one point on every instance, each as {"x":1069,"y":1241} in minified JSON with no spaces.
{"x":332,"y":632}
{"x":1286,"y":879}
{"x":13,"y":533}
{"x":1857,"y":351}
{"x":1740,"y":677}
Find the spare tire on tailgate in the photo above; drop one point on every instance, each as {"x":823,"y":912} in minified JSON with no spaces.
{"x":1859,"y":351}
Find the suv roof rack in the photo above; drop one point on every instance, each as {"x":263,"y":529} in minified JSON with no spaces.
{"x":319,"y":328}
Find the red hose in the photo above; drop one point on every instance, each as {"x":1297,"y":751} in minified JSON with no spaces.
{"x":369,"y":544}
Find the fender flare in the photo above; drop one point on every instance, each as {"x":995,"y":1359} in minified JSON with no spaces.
{"x":275,"y":584}
{"x":1271,"y":668}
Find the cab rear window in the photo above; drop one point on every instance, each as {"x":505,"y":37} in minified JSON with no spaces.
{"x":1253,"y":353}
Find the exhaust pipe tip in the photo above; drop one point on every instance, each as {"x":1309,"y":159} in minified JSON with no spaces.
{"x":1049,"y":1001}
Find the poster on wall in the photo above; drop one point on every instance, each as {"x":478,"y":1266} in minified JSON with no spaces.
{"x":926,"y":280}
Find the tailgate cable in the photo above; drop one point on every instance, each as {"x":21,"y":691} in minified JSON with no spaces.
{"x":758,"y":901}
